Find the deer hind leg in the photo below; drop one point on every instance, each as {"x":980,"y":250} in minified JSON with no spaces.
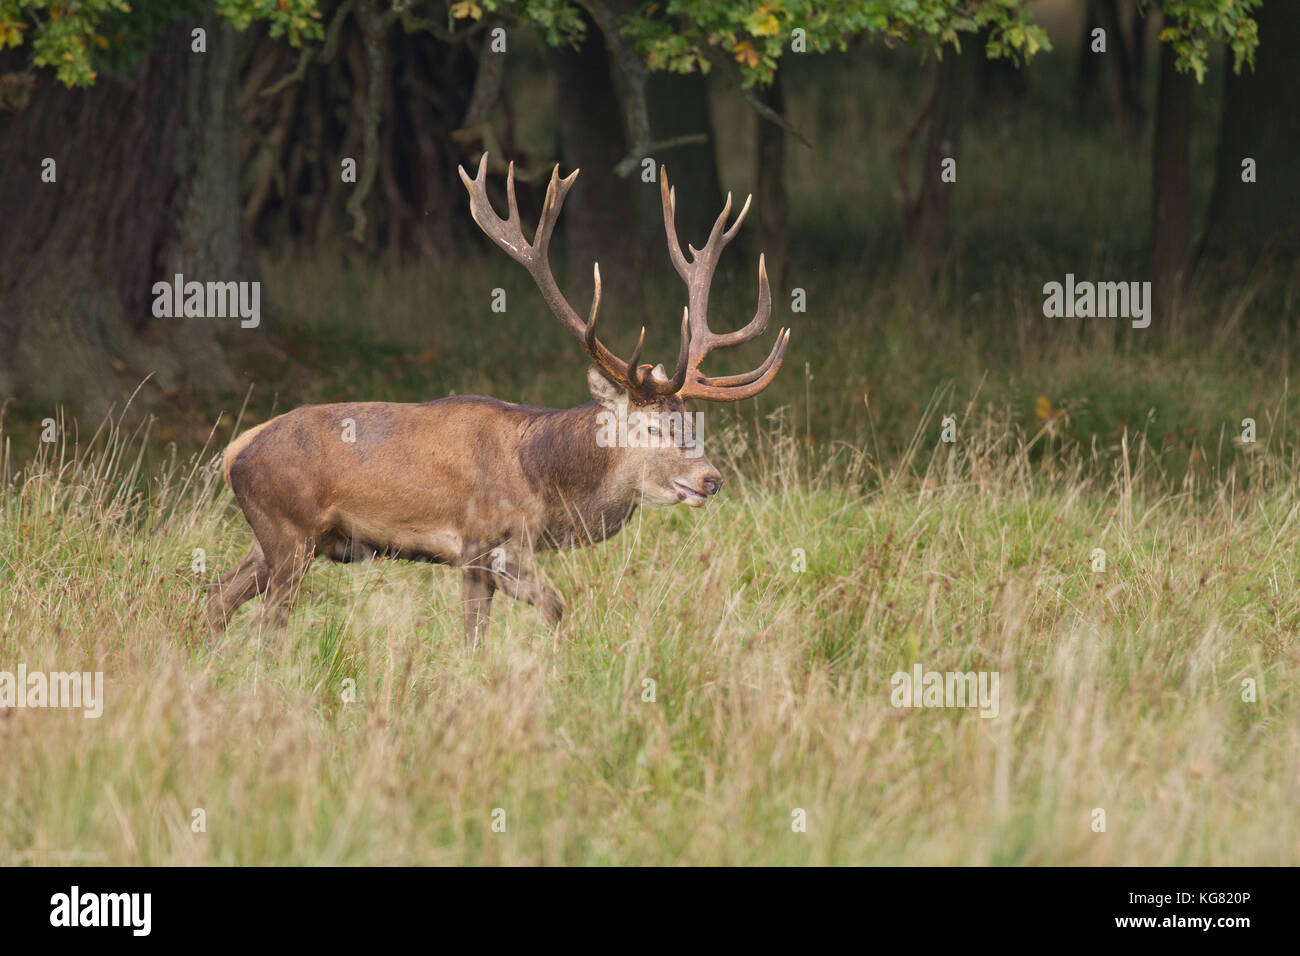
{"x":285,"y":538}
{"x":292,"y":557}
{"x":477,"y":591}
{"x":288,"y":551}
{"x":227,"y":593}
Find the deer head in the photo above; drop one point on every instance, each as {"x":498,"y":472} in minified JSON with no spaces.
{"x":664,"y":458}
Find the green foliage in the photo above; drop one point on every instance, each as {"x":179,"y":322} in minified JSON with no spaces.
{"x":65,"y":36}
{"x":1192,"y":25}
{"x":685,"y":35}
{"x":78,"y":39}
{"x":681,"y":36}
{"x":559,"y":22}
{"x":298,"y":20}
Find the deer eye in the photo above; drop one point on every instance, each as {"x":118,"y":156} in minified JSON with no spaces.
{"x":652,"y":430}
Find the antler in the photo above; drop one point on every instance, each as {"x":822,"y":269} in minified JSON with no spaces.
{"x":698,"y":276}
{"x":508,"y":234}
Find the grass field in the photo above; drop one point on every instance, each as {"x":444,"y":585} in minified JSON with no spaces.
{"x":1120,"y":690}
{"x":851,"y":543}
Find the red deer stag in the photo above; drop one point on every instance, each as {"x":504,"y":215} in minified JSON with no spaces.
{"x":480,"y":483}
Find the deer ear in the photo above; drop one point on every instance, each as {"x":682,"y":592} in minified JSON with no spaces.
{"x":605,"y":391}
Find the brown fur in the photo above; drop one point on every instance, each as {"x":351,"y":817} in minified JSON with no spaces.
{"x":466,"y":481}
{"x":236,"y":446}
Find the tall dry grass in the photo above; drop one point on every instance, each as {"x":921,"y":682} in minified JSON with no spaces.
{"x":1120,"y":690}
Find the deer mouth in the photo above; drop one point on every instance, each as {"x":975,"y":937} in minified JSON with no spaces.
{"x":688,"y":495}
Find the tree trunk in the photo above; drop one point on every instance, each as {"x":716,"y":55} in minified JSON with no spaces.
{"x":1138,"y":45}
{"x":146,"y":188}
{"x":1086,"y":70}
{"x":773,"y":206}
{"x":1261,"y":123}
{"x":600,"y":213}
{"x":679,"y":106}
{"x":925,"y":219}
{"x":1122,"y":60}
{"x":1171,"y":221}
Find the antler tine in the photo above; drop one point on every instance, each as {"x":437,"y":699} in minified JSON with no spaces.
{"x":698,"y":275}
{"x":668,"y":386}
{"x":711,"y":390}
{"x":675,"y":384}
{"x":740,"y":218}
{"x":744,"y":378}
{"x":602,"y":357}
{"x":512,"y":205}
{"x":754,"y":327}
{"x":699,"y":281}
{"x":556,"y":192}
{"x":635,"y":373}
{"x":595,"y":303}
{"x":508,"y":235}
{"x":669,"y":198}
{"x":712,"y":247}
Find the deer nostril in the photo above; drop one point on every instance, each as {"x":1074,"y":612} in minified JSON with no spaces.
{"x":712,"y":485}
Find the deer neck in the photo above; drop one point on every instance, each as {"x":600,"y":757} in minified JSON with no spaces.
{"x":588,"y":495}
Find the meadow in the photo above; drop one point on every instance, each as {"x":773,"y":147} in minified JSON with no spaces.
{"x":722,"y":669}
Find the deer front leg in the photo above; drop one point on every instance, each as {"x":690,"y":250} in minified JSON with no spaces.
{"x":477,"y":592}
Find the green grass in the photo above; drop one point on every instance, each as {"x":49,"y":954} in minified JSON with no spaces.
{"x":1120,"y":690}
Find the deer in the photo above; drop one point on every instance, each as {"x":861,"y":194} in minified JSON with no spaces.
{"x":482,"y":484}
